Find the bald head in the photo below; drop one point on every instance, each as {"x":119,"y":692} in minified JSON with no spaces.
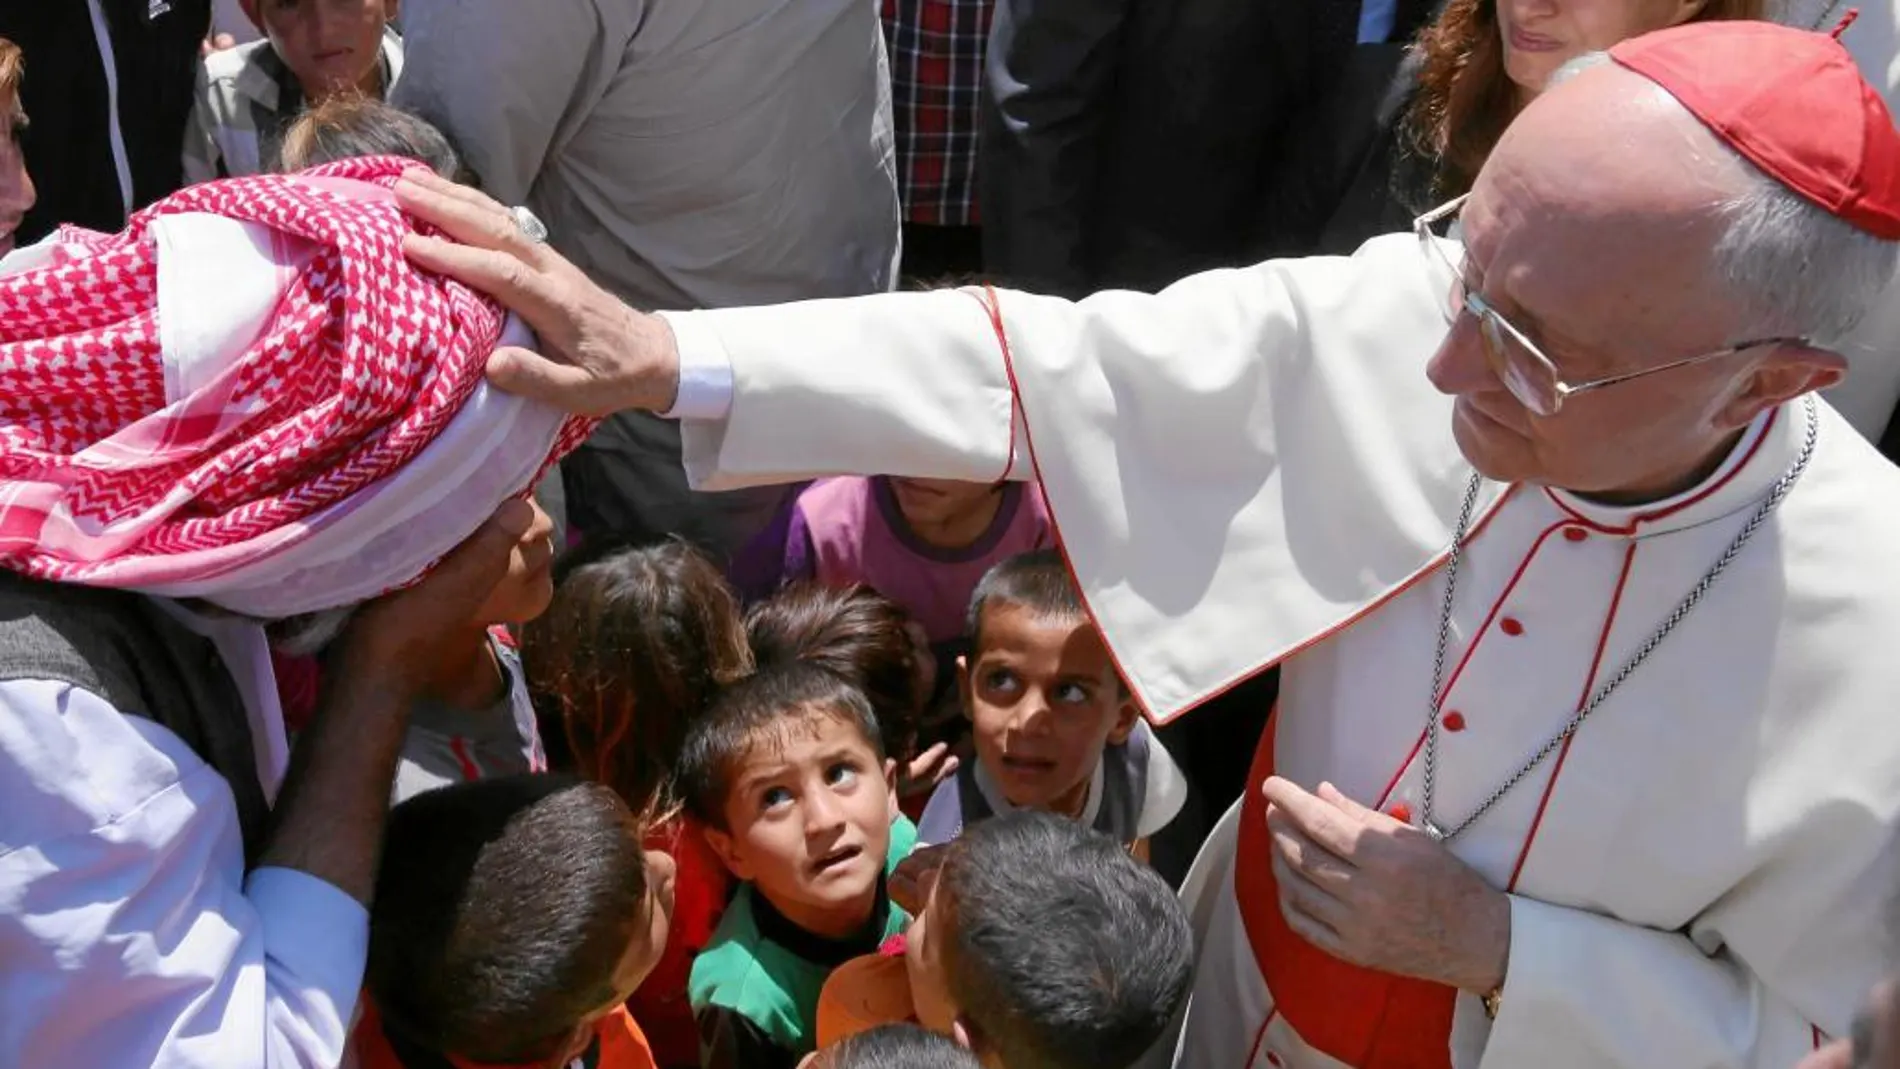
{"x":1610,"y":167}
{"x":1611,"y":152}
{"x":1617,"y":233}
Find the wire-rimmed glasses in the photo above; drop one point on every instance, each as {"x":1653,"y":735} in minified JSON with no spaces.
{"x":1516,"y":360}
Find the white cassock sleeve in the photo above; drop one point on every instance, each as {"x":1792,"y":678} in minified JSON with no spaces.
{"x":1234,"y":465}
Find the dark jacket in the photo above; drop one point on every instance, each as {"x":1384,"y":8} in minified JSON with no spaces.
{"x":1347,"y":174}
{"x":153,"y":45}
{"x":1128,"y":143}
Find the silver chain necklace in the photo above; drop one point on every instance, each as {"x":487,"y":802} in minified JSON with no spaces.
{"x":1445,"y":833}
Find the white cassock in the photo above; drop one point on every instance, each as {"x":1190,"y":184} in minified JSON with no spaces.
{"x":1252,"y":468}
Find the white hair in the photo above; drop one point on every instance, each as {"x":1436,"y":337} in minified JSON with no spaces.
{"x":1799,"y":270}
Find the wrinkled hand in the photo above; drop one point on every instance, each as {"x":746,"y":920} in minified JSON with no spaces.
{"x":1376,"y":892}
{"x":927,"y":770}
{"x":601,"y":356}
{"x":398,"y":639}
{"x":914,"y":878}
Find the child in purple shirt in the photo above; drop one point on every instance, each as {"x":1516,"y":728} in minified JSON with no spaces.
{"x":923,"y":543}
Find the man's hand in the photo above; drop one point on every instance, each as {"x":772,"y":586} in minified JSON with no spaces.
{"x":602,"y":357}
{"x":397,"y":639}
{"x":217,"y":42}
{"x":328,"y":820}
{"x":1371,"y":890}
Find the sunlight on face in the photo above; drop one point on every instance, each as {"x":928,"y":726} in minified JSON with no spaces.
{"x":809,"y":823}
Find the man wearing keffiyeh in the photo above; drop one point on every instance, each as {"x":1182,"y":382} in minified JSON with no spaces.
{"x":245,"y":408}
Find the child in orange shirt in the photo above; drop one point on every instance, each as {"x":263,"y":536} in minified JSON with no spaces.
{"x":511,"y":920}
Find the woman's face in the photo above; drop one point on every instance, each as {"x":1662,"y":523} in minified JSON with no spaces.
{"x":16,"y":189}
{"x":1542,"y":35}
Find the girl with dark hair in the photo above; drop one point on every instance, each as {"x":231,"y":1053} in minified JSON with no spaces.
{"x":633,"y":648}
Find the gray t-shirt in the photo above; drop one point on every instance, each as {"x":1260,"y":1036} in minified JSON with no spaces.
{"x":447,"y":745}
{"x":1135,"y":791}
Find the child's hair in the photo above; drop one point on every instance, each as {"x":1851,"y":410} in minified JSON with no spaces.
{"x":1038,"y":581}
{"x":1063,"y":951}
{"x":896,"y":1046}
{"x":629,"y":654}
{"x":762,"y":710}
{"x":856,"y":632}
{"x":351,"y":125}
{"x":502,"y":910}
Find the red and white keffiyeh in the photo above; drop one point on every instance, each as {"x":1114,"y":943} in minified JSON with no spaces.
{"x":250,"y":396}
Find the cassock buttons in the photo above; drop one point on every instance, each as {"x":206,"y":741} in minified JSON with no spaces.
{"x":1453,"y":721}
{"x":1511,"y":626}
{"x":1400,"y":812}
{"x":1576,"y":534}
{"x":1274,"y":1060}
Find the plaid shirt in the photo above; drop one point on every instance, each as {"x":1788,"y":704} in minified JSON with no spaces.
{"x":936,"y":49}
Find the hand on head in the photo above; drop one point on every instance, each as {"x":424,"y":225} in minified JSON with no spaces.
{"x":600,"y":356}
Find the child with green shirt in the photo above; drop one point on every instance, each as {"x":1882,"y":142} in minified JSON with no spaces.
{"x":788,"y":774}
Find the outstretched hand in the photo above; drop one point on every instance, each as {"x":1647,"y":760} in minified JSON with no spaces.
{"x":600,"y":356}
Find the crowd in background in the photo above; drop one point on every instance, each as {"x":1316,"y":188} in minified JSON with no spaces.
{"x":691,"y":779}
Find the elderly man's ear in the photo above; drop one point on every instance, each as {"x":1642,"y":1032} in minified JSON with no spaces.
{"x":1792,"y":369}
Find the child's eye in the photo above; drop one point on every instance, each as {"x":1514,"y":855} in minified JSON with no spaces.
{"x":773,"y":797}
{"x":999,"y":679}
{"x":1072,"y":693}
{"x":841,"y":774}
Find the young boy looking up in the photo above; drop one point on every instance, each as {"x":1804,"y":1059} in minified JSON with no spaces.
{"x":1043,"y":945}
{"x":787,"y":773}
{"x":312,"y":50}
{"x":512,"y":918}
{"x":1053,"y":725}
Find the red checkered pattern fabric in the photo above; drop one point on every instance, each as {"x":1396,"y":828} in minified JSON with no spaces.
{"x":936,"y":53}
{"x":363,"y":364}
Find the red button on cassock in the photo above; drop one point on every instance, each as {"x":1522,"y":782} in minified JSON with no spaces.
{"x":1400,"y":812}
{"x":1274,"y":1060}
{"x":1576,"y":534}
{"x":1510,"y":626}
{"x":1454,"y":721}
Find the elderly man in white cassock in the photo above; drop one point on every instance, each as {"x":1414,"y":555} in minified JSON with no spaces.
{"x":1586,"y":604}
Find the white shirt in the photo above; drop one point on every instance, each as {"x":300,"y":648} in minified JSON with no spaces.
{"x":130,"y":933}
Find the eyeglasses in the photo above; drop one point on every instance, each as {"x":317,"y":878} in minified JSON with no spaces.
{"x":1516,"y":360}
